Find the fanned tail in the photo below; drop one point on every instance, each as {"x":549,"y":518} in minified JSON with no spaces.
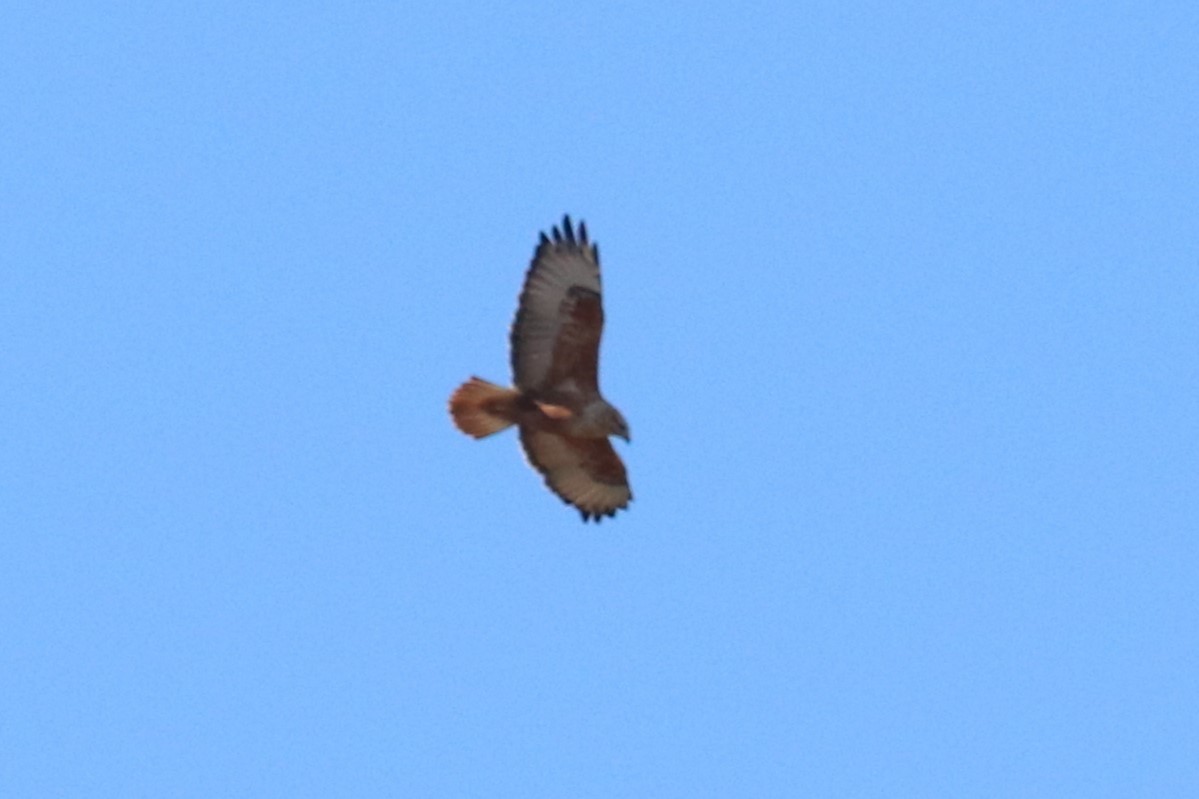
{"x":480,"y":408}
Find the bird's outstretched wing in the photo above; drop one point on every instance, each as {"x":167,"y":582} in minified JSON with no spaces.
{"x":584,"y":472}
{"x":555,"y":337}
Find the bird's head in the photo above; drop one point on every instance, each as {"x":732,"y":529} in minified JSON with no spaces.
{"x":617,"y":426}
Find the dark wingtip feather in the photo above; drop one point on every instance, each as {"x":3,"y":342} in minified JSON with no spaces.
{"x":568,"y":233}
{"x":596,"y":516}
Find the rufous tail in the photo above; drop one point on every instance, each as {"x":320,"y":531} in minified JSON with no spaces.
{"x":480,"y":408}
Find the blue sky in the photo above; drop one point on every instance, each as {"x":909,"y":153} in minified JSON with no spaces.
{"x":902,"y":308}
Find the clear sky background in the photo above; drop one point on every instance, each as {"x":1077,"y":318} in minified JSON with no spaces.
{"x":903,"y":310}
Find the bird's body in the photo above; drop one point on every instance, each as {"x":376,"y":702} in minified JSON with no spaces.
{"x":564,"y":421}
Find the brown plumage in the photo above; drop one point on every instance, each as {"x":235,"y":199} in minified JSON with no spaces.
{"x":564,"y":421}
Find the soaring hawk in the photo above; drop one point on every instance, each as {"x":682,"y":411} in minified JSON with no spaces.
{"x":564,"y":421}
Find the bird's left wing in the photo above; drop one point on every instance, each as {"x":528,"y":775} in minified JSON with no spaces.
{"x":584,"y":472}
